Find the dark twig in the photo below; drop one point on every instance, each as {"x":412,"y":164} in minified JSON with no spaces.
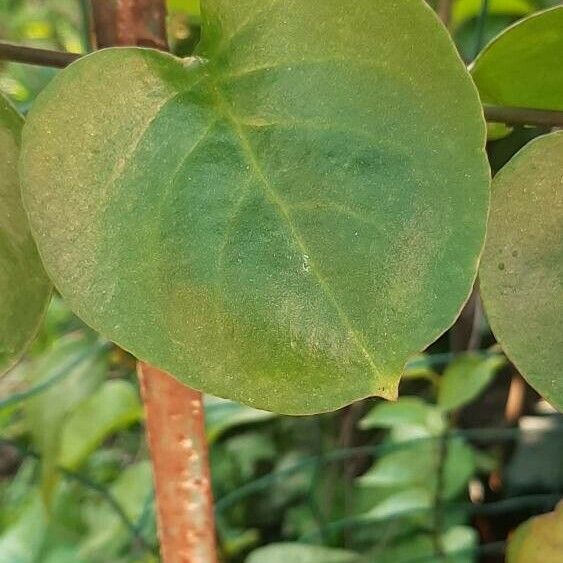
{"x":495,"y":114}
{"x":523,"y":116}
{"x":33,"y":56}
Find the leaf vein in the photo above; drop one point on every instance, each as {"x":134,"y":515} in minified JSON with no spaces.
{"x":274,"y":198}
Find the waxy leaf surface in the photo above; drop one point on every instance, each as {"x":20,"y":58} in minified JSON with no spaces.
{"x":522,"y":270}
{"x":282,"y":220}
{"x":522,"y":66}
{"x":24,"y":288}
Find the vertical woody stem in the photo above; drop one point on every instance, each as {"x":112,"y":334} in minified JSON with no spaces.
{"x":176,"y":437}
{"x":174,"y":413}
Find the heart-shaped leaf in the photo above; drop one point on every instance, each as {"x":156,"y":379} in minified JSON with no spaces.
{"x":24,"y":288}
{"x":522,"y":267}
{"x":282,"y":220}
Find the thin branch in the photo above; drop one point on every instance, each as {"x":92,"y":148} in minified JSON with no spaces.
{"x":33,"y":56}
{"x":493,"y":114}
{"x":523,"y":116}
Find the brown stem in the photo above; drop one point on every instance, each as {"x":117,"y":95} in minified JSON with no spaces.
{"x":174,"y":413}
{"x":176,"y":436}
{"x":130,"y":22}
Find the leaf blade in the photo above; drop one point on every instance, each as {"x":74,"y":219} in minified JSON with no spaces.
{"x":521,"y":268}
{"x":24,"y":288}
{"x":264,"y":259}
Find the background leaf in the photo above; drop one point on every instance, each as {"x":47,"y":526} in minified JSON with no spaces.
{"x":522,"y":267}
{"x":539,"y":540}
{"x":409,"y":416}
{"x":465,"y":378}
{"x":46,"y":414}
{"x":222,"y":415}
{"x":24,"y":288}
{"x":21,"y":543}
{"x":522,"y":66}
{"x":115,"y":405}
{"x":300,"y":553}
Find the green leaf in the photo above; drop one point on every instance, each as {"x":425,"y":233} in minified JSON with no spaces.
{"x":539,"y":540}
{"x":408,"y":548}
{"x":417,"y":465}
{"x":522,"y":267}
{"x":47,"y":413}
{"x":459,"y":540}
{"x":21,"y":542}
{"x":221,"y":415}
{"x":301,"y":553}
{"x":278,"y":220}
{"x":190,"y":7}
{"x":412,"y":413}
{"x":403,"y":503}
{"x":522,"y":66}
{"x":465,"y":378}
{"x":107,"y":533}
{"x":115,"y":405}
{"x":24,"y":287}
{"x":464,"y":10}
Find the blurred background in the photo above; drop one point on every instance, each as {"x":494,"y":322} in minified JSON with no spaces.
{"x":467,"y":454}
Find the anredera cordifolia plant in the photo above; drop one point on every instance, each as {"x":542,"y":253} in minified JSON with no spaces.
{"x":24,"y":286}
{"x":322,"y":222}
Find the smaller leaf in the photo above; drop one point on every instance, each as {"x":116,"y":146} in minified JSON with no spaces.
{"x":522,"y":266}
{"x":24,"y":287}
{"x":419,"y":367}
{"x":21,"y":542}
{"x":221,"y":415}
{"x":417,"y":466}
{"x":46,"y":413}
{"x":401,"y":504}
{"x":457,"y":541}
{"x":539,"y":540}
{"x":107,"y":533}
{"x":410,"y":412}
{"x":115,"y":405}
{"x":301,"y":553}
{"x":465,"y":378}
{"x":521,"y":67}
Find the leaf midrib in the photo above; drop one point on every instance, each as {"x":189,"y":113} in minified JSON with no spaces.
{"x":282,"y":208}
